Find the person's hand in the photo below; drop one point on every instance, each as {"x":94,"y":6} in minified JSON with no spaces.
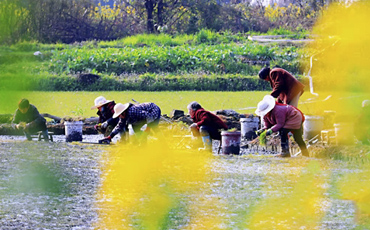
{"x":193,"y":125}
{"x":104,"y":125}
{"x":269,"y":132}
{"x":106,"y":140}
{"x":21,"y":126}
{"x":96,"y":127}
{"x":258,"y":132}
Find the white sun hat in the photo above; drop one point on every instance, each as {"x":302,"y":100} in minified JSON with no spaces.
{"x":120,"y":108}
{"x":366,"y":103}
{"x":100,"y":101}
{"x":265,"y":106}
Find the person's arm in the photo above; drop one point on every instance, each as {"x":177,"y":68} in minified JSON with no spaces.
{"x":120,"y":128}
{"x":15,"y":120}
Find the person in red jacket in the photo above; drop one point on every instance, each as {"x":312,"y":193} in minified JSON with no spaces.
{"x":283,"y":119}
{"x":285,"y":87}
{"x":206,"y":124}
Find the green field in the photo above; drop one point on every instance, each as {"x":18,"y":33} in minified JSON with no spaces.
{"x":79,"y":103}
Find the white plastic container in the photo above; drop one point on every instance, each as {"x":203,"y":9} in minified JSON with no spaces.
{"x":344,"y":134}
{"x":312,"y":126}
{"x":248,"y":127}
{"x":73,"y":130}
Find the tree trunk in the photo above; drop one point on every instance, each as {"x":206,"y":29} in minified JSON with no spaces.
{"x":160,"y":12}
{"x":149,"y":5}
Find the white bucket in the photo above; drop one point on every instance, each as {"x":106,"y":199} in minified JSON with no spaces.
{"x":73,"y":130}
{"x":248,"y":127}
{"x":230,"y":142}
{"x":344,"y":133}
{"x":312,"y":126}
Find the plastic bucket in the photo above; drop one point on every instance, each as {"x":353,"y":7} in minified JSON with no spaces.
{"x":312,"y":126}
{"x":248,"y":127}
{"x":73,"y":130}
{"x":230,"y":142}
{"x":344,"y":133}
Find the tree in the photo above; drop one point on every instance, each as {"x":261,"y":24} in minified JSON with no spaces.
{"x":157,"y":14}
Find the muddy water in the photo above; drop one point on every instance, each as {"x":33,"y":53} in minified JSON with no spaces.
{"x":54,"y":186}
{"x":48,"y":185}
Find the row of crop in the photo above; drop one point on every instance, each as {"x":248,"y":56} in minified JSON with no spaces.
{"x":222,"y":58}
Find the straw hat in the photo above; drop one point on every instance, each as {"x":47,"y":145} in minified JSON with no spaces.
{"x":100,"y":101}
{"x":120,"y":108}
{"x":265,"y":106}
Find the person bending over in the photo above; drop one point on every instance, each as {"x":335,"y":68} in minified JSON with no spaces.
{"x":28,"y":119}
{"x":206,"y":124}
{"x":137,"y":115}
{"x":283,"y":119}
{"x":285,"y":87}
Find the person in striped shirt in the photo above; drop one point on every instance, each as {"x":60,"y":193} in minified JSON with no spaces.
{"x":137,"y":115}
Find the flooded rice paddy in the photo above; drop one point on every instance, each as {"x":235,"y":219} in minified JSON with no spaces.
{"x":55,"y":185}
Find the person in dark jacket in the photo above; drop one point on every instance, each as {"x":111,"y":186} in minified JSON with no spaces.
{"x":137,"y":115}
{"x":285,"y":87}
{"x":28,"y":119}
{"x":283,"y":119}
{"x":105,"y":112}
{"x":362,"y":124}
{"x":206,"y":124}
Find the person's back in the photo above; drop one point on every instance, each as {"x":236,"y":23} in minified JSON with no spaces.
{"x":285,"y":87}
{"x":31,"y":115}
{"x":284,"y":116}
{"x":147,"y":111}
{"x":206,"y":118}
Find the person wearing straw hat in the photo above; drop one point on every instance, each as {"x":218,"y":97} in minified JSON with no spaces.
{"x":137,"y":115}
{"x":283,"y":119}
{"x":105,"y":112}
{"x":362,"y":124}
{"x":285,"y":87}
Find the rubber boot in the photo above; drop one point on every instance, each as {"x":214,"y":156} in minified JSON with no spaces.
{"x":45,"y":134}
{"x":284,"y":150}
{"x":28,"y":136}
{"x":305,"y":153}
{"x":207,"y":143}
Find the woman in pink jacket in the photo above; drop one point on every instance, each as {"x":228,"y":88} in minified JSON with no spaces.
{"x":283,"y":119}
